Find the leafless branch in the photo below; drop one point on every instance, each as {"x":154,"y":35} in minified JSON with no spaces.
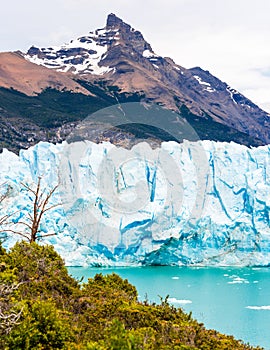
{"x":18,"y":233}
{"x":6,"y":193}
{"x":51,"y":207}
{"x":8,"y":321}
{"x":6,"y":289}
{"x":8,"y":316}
{"x":49,"y":234}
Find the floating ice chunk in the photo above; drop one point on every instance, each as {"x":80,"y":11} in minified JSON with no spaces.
{"x":179,"y":301}
{"x":238,"y":280}
{"x":264,"y":307}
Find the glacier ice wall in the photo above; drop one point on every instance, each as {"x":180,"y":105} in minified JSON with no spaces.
{"x":196,"y":203}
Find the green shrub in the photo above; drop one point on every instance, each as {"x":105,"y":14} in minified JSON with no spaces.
{"x":41,"y":271}
{"x":43,"y":326}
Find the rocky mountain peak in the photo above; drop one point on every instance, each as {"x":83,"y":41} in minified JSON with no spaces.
{"x":114,"y":22}
{"x":93,"y":53}
{"x":128,"y":35}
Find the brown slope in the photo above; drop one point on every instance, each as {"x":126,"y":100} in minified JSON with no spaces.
{"x":31,"y":79}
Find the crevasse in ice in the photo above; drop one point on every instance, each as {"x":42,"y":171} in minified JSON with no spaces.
{"x":196,"y":203}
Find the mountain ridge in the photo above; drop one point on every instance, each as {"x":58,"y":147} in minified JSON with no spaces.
{"x":31,"y":79}
{"x":118,"y":57}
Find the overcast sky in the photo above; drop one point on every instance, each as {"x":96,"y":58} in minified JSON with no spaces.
{"x":230,"y":38}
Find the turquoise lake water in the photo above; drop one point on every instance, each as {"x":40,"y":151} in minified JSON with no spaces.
{"x":231,"y":300}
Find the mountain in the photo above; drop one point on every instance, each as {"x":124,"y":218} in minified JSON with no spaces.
{"x":115,"y":65}
{"x":210,"y":208}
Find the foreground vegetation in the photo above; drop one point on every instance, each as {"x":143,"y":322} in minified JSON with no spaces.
{"x":42,"y":307}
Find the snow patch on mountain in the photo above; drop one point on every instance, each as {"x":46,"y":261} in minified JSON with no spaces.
{"x":208,"y":87}
{"x":149,"y":54}
{"x":232,"y":93}
{"x":79,"y":56}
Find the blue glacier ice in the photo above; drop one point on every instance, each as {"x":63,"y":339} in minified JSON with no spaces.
{"x":197,"y":203}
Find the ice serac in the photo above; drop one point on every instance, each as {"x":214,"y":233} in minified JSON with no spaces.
{"x":160,"y":207}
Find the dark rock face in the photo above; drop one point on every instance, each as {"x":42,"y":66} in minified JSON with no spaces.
{"x":132,"y":37}
{"x":33,"y":50}
{"x":115,"y":22}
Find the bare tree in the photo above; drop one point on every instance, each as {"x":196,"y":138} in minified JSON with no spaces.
{"x":41,"y":204}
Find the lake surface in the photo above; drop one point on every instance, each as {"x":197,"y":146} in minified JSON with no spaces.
{"x":231,"y":300}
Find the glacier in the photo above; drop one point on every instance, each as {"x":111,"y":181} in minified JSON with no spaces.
{"x":201,"y":203}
